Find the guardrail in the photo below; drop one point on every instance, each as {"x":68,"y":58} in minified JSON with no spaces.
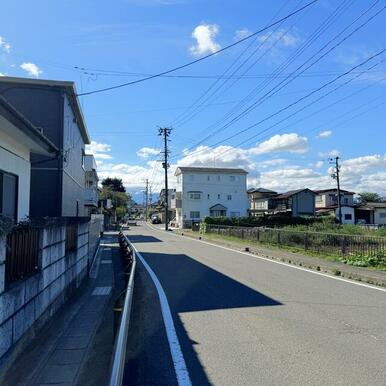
{"x":119,"y":354}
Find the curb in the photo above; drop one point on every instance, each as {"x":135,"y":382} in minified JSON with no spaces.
{"x":305,"y":262}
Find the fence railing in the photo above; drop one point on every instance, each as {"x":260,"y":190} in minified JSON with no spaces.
{"x":128,"y":254}
{"x":22,"y":253}
{"x":318,"y":242}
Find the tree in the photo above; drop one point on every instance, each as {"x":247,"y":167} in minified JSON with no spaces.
{"x":114,"y":184}
{"x":369,"y":197}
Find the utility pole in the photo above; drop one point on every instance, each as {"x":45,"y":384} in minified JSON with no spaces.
{"x":335,"y":176}
{"x":165,"y":132}
{"x":146,"y":198}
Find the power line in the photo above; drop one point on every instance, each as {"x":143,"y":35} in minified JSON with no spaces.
{"x":202,"y":58}
{"x":277,"y":71}
{"x":296,"y":102}
{"x":275,"y":89}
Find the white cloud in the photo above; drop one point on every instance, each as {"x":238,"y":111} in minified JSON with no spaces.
{"x":291,"y":143}
{"x":242,"y":33}
{"x":319,"y":164}
{"x":331,"y":153}
{"x":1,"y":74}
{"x":205,"y":39}
{"x":4,"y":45}
{"x":324,"y":134}
{"x":282,"y":37}
{"x":146,"y":152}
{"x":31,"y":68}
{"x":99,"y":150}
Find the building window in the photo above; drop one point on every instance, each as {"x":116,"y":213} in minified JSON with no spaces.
{"x":382,"y":214}
{"x":195,"y":195}
{"x":8,"y":195}
{"x":235,"y":214}
{"x":219,"y":196}
{"x":348,"y":216}
{"x":232,"y":178}
{"x":318,"y":198}
{"x":194,"y":214}
{"x":346,"y":200}
{"x":218,"y":178}
{"x":208,"y":196}
{"x":208,"y":178}
{"x":83,"y":158}
{"x":229,"y":197}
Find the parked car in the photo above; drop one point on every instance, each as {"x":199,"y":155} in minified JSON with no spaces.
{"x":155,"y":220}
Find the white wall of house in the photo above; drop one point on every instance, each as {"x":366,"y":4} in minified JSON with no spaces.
{"x":15,"y":159}
{"x":201,"y":190}
{"x":380,"y":216}
{"x":348,"y":215}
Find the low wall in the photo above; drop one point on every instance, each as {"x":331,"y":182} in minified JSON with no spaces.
{"x":32,"y":301}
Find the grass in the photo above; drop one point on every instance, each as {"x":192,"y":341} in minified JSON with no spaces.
{"x":376,"y":263}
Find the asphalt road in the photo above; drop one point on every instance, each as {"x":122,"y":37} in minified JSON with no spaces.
{"x":241,"y":320}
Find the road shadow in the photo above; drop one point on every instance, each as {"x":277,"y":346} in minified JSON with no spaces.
{"x":191,"y":286}
{"x":143,"y":239}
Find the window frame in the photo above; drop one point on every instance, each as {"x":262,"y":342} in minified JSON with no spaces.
{"x":2,"y":173}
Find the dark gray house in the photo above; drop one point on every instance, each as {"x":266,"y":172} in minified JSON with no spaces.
{"x":57,"y":184}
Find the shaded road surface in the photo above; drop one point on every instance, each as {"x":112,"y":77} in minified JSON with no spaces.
{"x":241,"y":320}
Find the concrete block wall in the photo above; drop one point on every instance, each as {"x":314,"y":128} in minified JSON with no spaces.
{"x":30,"y":302}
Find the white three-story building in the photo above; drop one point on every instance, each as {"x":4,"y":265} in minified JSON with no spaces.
{"x":214,"y":192}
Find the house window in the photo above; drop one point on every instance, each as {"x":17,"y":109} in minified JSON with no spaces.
{"x":194,"y":214}
{"x":382,"y":215}
{"x":83,"y":158}
{"x":348,"y":216}
{"x":219,"y":196}
{"x":235,"y":214}
{"x":218,"y":178}
{"x":208,"y":178}
{"x":232,"y":178}
{"x":208,"y":196}
{"x":229,"y":197}
{"x":318,"y":198}
{"x":195,"y":195}
{"x":8,"y":195}
{"x":346,"y":200}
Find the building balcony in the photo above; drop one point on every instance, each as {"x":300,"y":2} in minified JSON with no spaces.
{"x":91,"y":197}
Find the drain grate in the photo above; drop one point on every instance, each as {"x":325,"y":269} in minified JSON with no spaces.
{"x":101,"y":291}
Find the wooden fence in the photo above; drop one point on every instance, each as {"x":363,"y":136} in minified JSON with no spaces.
{"x":22,"y":253}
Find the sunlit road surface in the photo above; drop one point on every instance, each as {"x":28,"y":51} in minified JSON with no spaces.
{"x":241,"y":320}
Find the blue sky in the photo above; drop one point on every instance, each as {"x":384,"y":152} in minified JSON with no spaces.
{"x":121,"y":40}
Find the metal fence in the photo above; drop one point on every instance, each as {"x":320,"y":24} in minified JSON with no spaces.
{"x":22,"y":254}
{"x":317,"y":242}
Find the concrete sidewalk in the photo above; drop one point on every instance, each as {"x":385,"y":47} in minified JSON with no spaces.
{"x":64,"y":351}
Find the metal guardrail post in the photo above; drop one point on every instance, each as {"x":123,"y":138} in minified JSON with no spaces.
{"x":119,"y":354}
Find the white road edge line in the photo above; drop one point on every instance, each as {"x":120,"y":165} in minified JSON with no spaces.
{"x":277,"y":262}
{"x":180,"y":368}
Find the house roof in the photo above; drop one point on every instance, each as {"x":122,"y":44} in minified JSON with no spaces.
{"x":18,"y":126}
{"x":333,"y":190}
{"x":184,"y":169}
{"x":67,"y":86}
{"x":218,"y":207}
{"x":260,"y":190}
{"x":291,"y":193}
{"x":372,"y":205}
